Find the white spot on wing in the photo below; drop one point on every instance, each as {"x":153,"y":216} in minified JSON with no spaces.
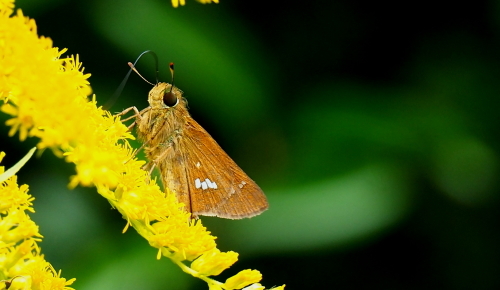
{"x":242,"y":184}
{"x":198,"y":165}
{"x":207,"y":183}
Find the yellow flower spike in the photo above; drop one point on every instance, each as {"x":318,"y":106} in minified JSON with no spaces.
{"x":20,"y":260}
{"x":213,"y":262}
{"x":242,"y":279}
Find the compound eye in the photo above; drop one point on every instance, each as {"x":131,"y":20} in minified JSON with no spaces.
{"x":169,"y":99}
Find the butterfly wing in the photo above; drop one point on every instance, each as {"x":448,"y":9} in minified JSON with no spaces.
{"x":207,"y":180}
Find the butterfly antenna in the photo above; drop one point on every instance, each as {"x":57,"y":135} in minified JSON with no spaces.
{"x":131,"y":65}
{"x":120,"y":88}
{"x":171,"y":66}
{"x":156,"y":62}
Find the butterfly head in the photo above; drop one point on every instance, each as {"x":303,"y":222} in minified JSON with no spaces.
{"x":163,"y":95}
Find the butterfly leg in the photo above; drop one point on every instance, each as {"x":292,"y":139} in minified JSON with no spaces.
{"x":149,"y":167}
{"x":142,"y":146}
{"x":134,"y":153}
{"x":137,"y":115}
{"x":152,"y":168}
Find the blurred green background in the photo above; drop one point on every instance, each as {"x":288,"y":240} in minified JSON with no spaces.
{"x":371,"y":126}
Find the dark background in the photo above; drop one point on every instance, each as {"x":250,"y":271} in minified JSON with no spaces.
{"x":371,"y":126}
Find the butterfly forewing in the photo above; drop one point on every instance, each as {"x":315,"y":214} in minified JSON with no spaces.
{"x":217,"y":186}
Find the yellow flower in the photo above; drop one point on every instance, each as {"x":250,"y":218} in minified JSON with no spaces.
{"x":7,"y":6}
{"x":19,"y":282}
{"x":176,"y":3}
{"x":214,"y":262}
{"x":242,"y":279}
{"x":185,"y":241}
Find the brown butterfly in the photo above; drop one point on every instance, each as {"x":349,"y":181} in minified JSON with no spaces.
{"x":205,"y":179}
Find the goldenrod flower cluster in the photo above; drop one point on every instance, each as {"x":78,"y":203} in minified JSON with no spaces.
{"x":47,"y":97}
{"x":21,"y":264}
